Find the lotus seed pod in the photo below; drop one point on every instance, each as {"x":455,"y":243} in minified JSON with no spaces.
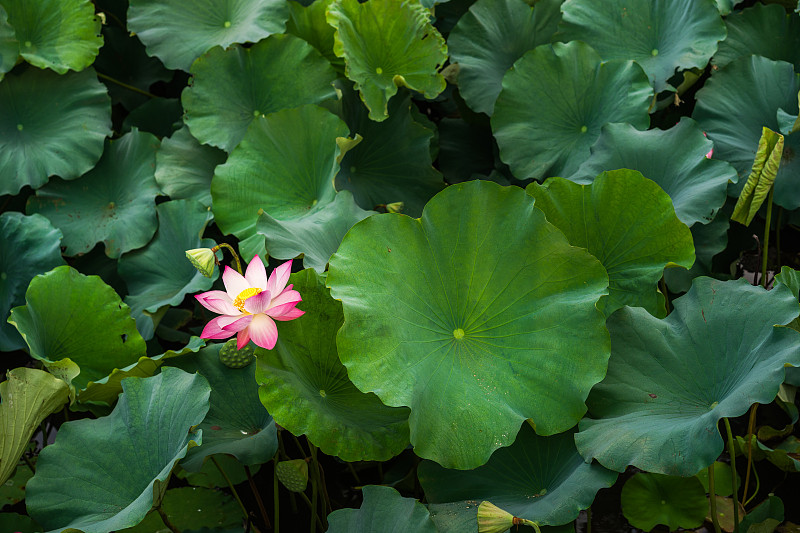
{"x":203,"y":260}
{"x":293,"y":474}
{"x":233,"y":358}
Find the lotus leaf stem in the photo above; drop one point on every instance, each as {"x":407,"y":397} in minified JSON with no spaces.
{"x":732,"y":453}
{"x":751,"y":424}
{"x":308,"y":502}
{"x":758,"y":486}
{"x":230,"y":485}
{"x":166,"y":520}
{"x":314,"y":496}
{"x":29,"y":463}
{"x":712,"y":498}
{"x":355,"y":475}
{"x":276,"y":494}
{"x":233,"y":253}
{"x":589,"y":519}
{"x":665,"y":293}
{"x":125,"y":85}
{"x":319,"y":482}
{"x":765,"y":252}
{"x":778,"y":238}
{"x":257,"y":495}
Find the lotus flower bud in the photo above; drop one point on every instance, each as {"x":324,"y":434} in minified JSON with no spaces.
{"x":203,"y":260}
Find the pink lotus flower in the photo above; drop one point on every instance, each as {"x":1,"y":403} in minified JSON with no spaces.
{"x":250,"y":303}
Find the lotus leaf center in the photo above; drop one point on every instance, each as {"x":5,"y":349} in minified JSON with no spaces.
{"x":654,"y":52}
{"x":322,"y":393}
{"x":28,"y":44}
{"x":3,"y":276}
{"x":458,"y":333}
{"x":584,"y":129}
{"x":379,"y":70}
{"x":238,"y":303}
{"x":256,"y":113}
{"x":19,"y":127}
{"x":227,"y":24}
{"x":713,"y":405}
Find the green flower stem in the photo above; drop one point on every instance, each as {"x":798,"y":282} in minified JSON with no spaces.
{"x":665,"y":293}
{"x":778,"y":237}
{"x":314,"y":496}
{"x":276,"y":494}
{"x":765,"y":252}
{"x":758,"y":487}
{"x":28,"y":462}
{"x":321,"y":474}
{"x":166,"y":520}
{"x":258,"y":497}
{"x":233,"y":253}
{"x":230,"y":484}
{"x":712,"y":498}
{"x":125,"y":85}
{"x":308,"y":502}
{"x":355,"y":475}
{"x":750,"y":428}
{"x":732,"y":453}
{"x":589,"y":519}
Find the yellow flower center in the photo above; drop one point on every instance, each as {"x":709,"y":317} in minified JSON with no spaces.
{"x":238,"y":303}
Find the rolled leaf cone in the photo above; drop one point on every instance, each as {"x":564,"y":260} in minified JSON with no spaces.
{"x":492,"y":519}
{"x":759,"y":183}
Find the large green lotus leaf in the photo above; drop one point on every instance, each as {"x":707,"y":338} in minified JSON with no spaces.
{"x":124,"y":59}
{"x":184,"y":167}
{"x":626,"y":221}
{"x":388,"y":44}
{"x":71,"y":316}
{"x":467,"y":323}
{"x":555,"y":100}
{"x":733,"y":107}
{"x":114,"y":203}
{"x":50,"y":124}
{"x":306,"y":388}
{"x":28,"y":396}
{"x":383,"y":511}
{"x":309,"y":23}
{"x":764,"y":31}
{"x":9,"y":47}
{"x":675,"y":159}
{"x":670,"y":381}
{"x":105,"y":391}
{"x":202,"y":25}
{"x":652,"y":499}
{"x":660,"y":35}
{"x":232,"y":88}
{"x":282,"y":166}
{"x":60,"y":35}
{"x":236,"y":424}
{"x":490,"y":37}
{"x":709,"y":240}
{"x":159,"y":274}
{"x":316,"y":236}
{"x":31,"y":246}
{"x":541,"y":479}
{"x":133,"y":451}
{"x":393,"y":161}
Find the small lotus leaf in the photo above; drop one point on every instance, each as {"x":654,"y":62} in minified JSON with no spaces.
{"x":465,"y":323}
{"x":114,"y":203}
{"x":105,"y":391}
{"x":50,"y":124}
{"x":626,"y":221}
{"x":383,"y":511}
{"x":388,"y":44}
{"x":783,"y":455}
{"x":9,"y":47}
{"x":764,"y":517}
{"x":670,"y":381}
{"x":159,"y":274}
{"x":31,"y":246}
{"x":80,"y":320}
{"x":193,"y":510}
{"x":60,"y":35}
{"x":309,"y":23}
{"x":723,"y":479}
{"x":540,"y":131}
{"x":29,"y":396}
{"x":652,"y":499}
{"x":675,"y":159}
{"x":232,"y":88}
{"x":184,"y":167}
{"x":733,"y":107}
{"x":306,"y":388}
{"x":316,"y":236}
{"x":660,"y":35}
{"x":134,"y":449}
{"x":762,"y":30}
{"x":490,"y":37}
{"x":18,"y":523}
{"x":13,"y":490}
{"x":541,"y":479}
{"x":281,"y":167}
{"x":392,"y":163}
{"x":236,"y":424}
{"x":202,"y":25}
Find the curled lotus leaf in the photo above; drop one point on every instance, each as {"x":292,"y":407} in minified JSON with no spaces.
{"x":464,"y":322}
{"x":202,"y":25}
{"x":762,"y":30}
{"x":670,"y":381}
{"x":540,"y":130}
